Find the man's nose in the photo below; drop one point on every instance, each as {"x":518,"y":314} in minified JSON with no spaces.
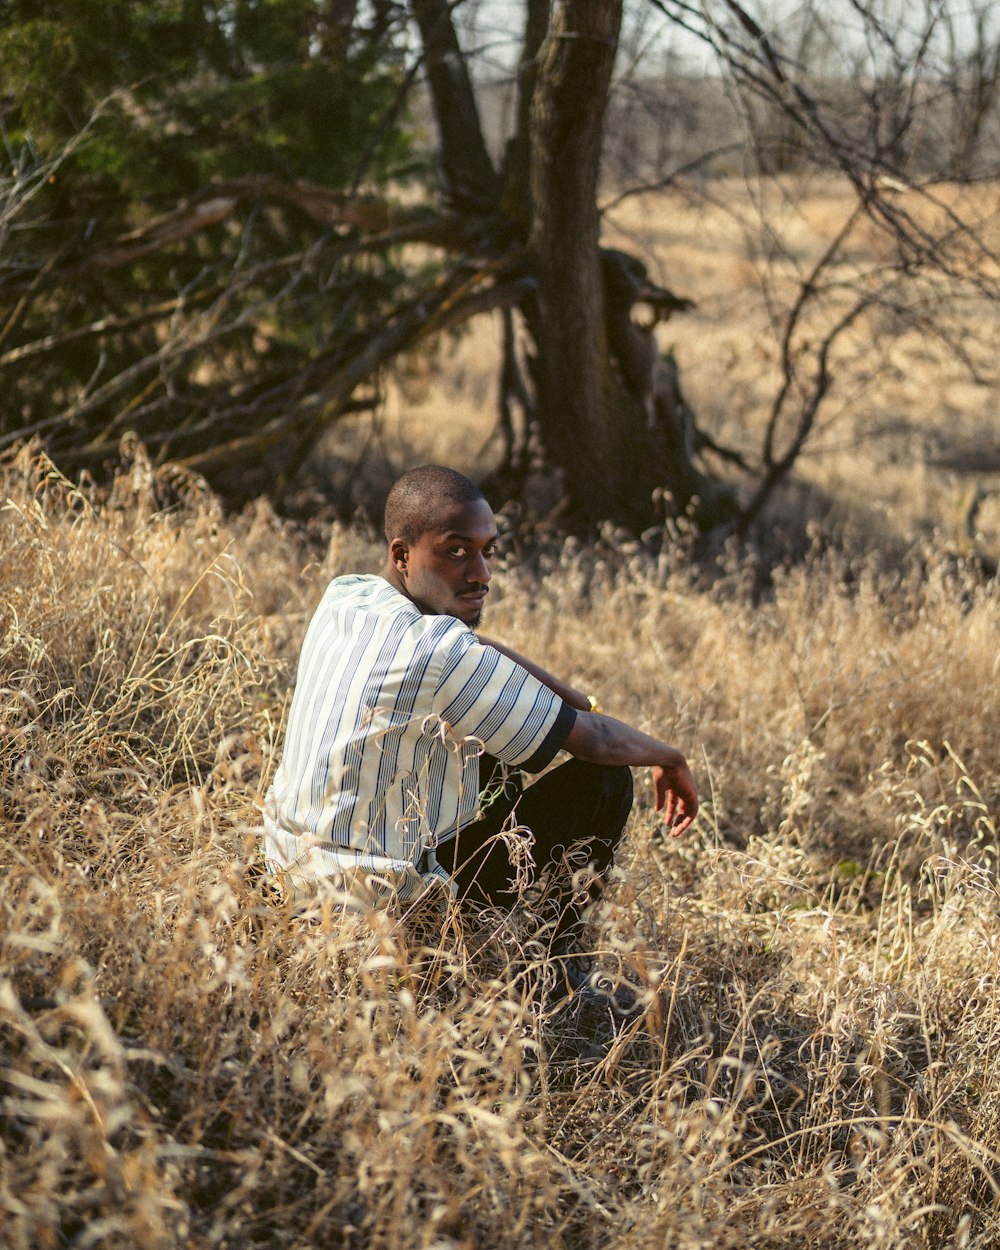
{"x":479,"y":570}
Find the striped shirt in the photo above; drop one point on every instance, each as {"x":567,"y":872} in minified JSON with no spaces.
{"x":391,"y":712}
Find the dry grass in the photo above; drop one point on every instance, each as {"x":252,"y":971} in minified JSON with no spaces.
{"x":184,"y":1061}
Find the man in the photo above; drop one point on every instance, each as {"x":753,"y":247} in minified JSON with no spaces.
{"x":401,"y":713}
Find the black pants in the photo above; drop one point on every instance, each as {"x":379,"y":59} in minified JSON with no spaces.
{"x":576,"y":814}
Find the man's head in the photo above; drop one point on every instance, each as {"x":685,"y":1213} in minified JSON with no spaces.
{"x":442,"y":536}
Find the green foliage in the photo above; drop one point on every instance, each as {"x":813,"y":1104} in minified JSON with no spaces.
{"x":197,"y":89}
{"x":112,"y":119}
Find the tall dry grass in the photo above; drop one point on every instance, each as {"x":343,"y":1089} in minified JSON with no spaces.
{"x":187,"y":1061}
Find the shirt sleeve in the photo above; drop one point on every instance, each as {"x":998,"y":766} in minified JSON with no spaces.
{"x":483,"y":694}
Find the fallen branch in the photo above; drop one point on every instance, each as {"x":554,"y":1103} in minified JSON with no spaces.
{"x":372,"y":216}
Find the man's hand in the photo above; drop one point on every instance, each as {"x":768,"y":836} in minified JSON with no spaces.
{"x":604,"y":740}
{"x":674,"y":789}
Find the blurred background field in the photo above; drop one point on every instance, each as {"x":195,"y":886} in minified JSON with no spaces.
{"x":906,"y":450}
{"x":184,"y":1060}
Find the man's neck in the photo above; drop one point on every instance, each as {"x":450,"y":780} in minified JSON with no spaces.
{"x":391,"y":575}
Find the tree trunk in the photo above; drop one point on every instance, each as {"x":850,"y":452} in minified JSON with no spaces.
{"x":471,"y":181}
{"x":516,"y":203}
{"x":566,"y":129}
{"x":607,"y":409}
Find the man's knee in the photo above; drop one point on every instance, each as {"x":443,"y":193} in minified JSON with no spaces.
{"x":618,"y":784}
{"x":608,"y":791}
{"x":611,"y":785}
{"x":578,"y":800}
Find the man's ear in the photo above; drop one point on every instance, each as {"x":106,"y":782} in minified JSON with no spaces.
{"x":399,"y":552}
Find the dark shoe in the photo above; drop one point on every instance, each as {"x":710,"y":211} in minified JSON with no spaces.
{"x":580,"y":981}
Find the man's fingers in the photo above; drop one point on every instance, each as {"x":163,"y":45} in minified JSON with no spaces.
{"x":659,"y":788}
{"x":684,"y":813}
{"x":678,"y":802}
{"x":680,"y":813}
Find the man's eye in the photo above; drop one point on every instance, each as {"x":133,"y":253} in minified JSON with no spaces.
{"x":459,"y":552}
{"x":489,"y":552}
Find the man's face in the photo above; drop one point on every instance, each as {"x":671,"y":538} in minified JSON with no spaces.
{"x":446,"y":572}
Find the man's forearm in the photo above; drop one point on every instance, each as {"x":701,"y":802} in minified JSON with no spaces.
{"x":567,"y":693}
{"x":604,"y":740}
{"x":599,"y":739}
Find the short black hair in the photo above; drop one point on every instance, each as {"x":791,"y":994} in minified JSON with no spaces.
{"x":416,"y":499}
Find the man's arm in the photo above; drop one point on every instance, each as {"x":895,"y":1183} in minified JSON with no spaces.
{"x":567,"y":693}
{"x":600,"y":739}
{"x":603,"y":740}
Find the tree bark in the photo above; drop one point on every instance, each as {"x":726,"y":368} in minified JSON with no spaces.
{"x":566,"y":131}
{"x":516,"y":204}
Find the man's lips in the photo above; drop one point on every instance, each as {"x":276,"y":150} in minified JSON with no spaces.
{"x":475,"y":596}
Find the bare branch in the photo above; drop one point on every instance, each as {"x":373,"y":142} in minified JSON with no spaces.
{"x":383,"y":222}
{"x":470,"y":179}
{"x":777,"y":469}
{"x":675,"y":176}
{"x":314,"y":410}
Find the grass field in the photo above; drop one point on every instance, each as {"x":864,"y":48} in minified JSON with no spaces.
{"x":185,"y":1060}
